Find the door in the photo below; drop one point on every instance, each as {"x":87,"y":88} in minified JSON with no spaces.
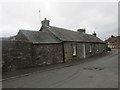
{"x":84,"y":53}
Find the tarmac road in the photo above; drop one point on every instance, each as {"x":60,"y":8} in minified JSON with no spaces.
{"x":98,"y":73}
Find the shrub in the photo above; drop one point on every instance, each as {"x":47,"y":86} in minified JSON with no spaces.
{"x":109,"y":49}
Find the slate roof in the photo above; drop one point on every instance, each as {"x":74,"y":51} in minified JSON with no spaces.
{"x":60,"y":35}
{"x":39,"y":37}
{"x":4,"y":39}
{"x":69,"y":35}
{"x":113,"y":39}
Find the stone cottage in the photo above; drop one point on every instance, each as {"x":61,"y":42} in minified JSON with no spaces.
{"x":51,"y":45}
{"x":71,"y":44}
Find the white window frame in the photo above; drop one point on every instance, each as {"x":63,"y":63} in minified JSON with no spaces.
{"x":90,"y":50}
{"x":74,"y":49}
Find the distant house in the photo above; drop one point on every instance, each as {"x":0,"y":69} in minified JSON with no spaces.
{"x":113,"y":42}
{"x":52,"y":44}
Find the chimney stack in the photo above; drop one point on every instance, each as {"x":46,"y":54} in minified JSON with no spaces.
{"x":45,"y":22}
{"x":94,"y":34}
{"x":81,"y":31}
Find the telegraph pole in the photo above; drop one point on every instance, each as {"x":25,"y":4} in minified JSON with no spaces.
{"x":39,"y":16}
{"x":39,"y":19}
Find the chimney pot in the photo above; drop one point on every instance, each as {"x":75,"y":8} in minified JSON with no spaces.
{"x":81,"y":31}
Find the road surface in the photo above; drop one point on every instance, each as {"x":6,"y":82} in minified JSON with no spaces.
{"x":98,"y":73}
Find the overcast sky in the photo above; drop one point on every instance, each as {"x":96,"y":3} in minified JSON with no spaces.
{"x":101,"y":17}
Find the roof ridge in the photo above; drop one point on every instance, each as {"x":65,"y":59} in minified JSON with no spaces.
{"x":71,"y":30}
{"x":28,"y":30}
{"x":63,"y":28}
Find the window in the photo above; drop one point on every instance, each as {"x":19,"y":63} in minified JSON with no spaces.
{"x":97,"y":47}
{"x":74,"y":50}
{"x":90,"y":48}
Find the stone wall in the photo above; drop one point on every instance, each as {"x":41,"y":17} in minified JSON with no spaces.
{"x":87,"y":49}
{"x":19,"y":54}
{"x":100,"y":48}
{"x":80,"y":50}
{"x":96,"y":48}
{"x":45,"y":54}
{"x":16,"y":55}
{"x":68,"y":51}
{"x":88,"y":52}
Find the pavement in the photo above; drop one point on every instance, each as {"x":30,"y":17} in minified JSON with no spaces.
{"x":94,"y":72}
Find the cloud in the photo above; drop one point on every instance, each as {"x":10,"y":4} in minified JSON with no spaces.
{"x":101,"y":17}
